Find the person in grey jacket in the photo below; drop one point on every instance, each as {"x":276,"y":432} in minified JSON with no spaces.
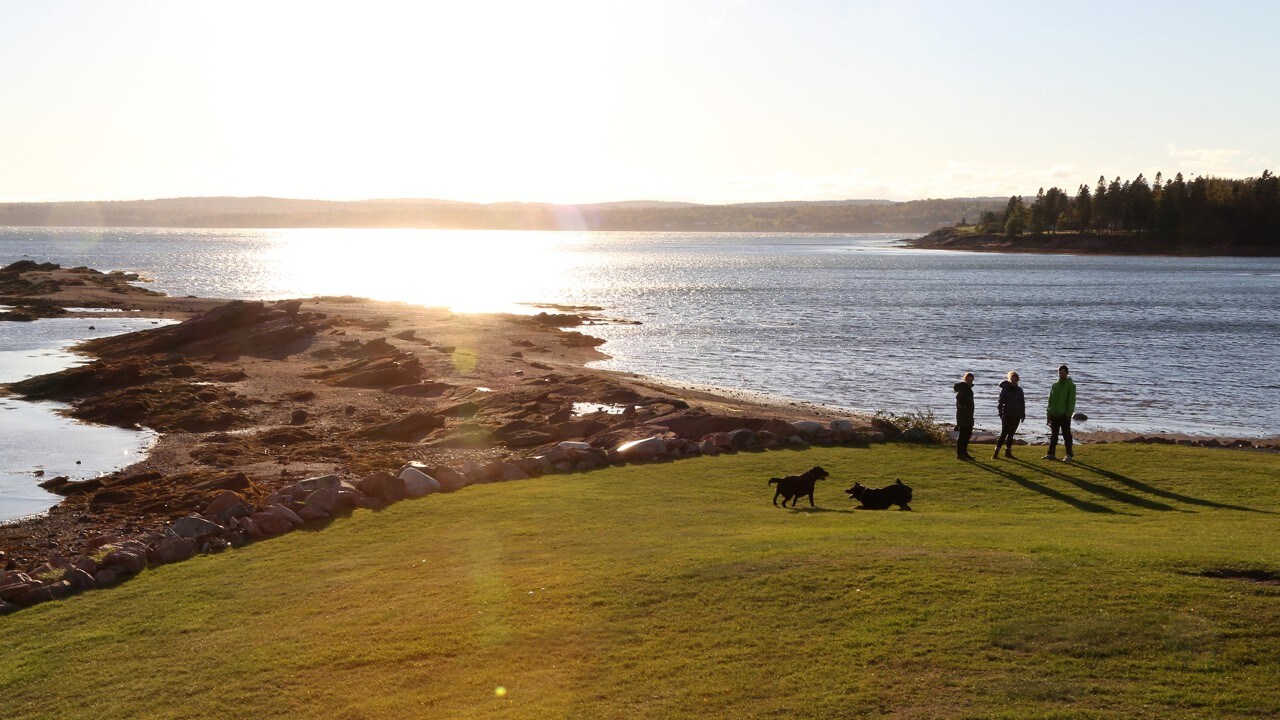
{"x":1012,"y":407}
{"x":964,"y":415}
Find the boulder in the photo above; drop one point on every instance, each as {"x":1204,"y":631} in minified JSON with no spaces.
{"x":325,"y":500}
{"x":227,"y":505}
{"x":769,"y":439}
{"x":743,"y":439}
{"x":173,"y":550}
{"x":808,"y":428}
{"x":267,"y":523}
{"x":284,"y":513}
{"x":590,"y":462}
{"x":841,"y":426}
{"x":449,"y":478}
{"x":384,"y":486}
{"x":194,"y":526}
{"x":573,"y":445}
{"x":80,"y":580}
{"x":6,"y":608}
{"x":130,"y":561}
{"x":248,"y":528}
{"x":647,"y":449}
{"x":781,"y":428}
{"x":10,"y":589}
{"x":44,"y":593}
{"x":504,"y":472}
{"x":417,"y":483}
{"x":709,"y":446}
{"x":107,"y":577}
{"x":310,"y":513}
{"x":350,"y":498}
{"x":214,"y":545}
{"x":311,"y":484}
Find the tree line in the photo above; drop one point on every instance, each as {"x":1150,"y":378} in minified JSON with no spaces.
{"x":1202,"y":211}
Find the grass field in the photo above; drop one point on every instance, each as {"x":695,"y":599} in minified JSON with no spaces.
{"x":1017,"y":588}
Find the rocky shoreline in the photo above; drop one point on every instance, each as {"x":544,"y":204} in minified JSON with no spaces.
{"x":300,"y":409}
{"x":1075,"y":244}
{"x":277,"y":414}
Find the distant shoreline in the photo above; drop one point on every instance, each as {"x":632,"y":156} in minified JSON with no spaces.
{"x":1077,"y":244}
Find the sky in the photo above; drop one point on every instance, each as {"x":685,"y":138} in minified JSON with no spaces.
{"x":710,"y":101}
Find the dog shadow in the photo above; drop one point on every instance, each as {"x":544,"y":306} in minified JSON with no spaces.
{"x":1082,"y":505}
{"x":1109,"y":493}
{"x":817,"y":510}
{"x":1166,"y":494}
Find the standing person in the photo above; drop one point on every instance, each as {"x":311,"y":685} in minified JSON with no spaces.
{"x":1062,"y":403}
{"x":1012,"y":407}
{"x":964,"y":415}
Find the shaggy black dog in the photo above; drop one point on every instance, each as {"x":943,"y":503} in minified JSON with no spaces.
{"x":792,"y":487}
{"x":881,"y":498}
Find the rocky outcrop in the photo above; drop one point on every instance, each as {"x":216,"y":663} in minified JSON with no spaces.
{"x":237,"y":328}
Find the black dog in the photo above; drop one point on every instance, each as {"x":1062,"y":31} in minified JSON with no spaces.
{"x":792,"y":487}
{"x":881,"y":498}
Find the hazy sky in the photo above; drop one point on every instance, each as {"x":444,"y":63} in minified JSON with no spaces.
{"x":707,"y":101}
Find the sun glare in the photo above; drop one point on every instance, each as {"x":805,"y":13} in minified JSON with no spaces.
{"x":465,"y":271}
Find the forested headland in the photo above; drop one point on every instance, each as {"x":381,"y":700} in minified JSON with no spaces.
{"x":1203,"y":216}
{"x":916,"y":216}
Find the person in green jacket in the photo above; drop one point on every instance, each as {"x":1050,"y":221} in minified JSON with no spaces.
{"x":1062,"y":403}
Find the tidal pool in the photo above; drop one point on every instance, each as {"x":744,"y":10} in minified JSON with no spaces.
{"x":37,"y":442}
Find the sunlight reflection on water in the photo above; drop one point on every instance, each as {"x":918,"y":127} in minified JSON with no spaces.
{"x":473,"y":271}
{"x":852,"y":321}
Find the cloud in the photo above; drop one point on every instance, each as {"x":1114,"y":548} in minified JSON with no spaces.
{"x":1208,"y":161}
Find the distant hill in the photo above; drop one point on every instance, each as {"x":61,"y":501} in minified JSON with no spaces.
{"x":265,"y":212}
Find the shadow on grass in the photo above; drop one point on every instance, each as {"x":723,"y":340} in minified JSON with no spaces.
{"x":1101,"y":490}
{"x":818,"y":510}
{"x":1166,"y":494}
{"x":1083,"y":505}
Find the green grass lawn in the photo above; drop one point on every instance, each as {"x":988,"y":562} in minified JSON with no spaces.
{"x":1017,"y":588}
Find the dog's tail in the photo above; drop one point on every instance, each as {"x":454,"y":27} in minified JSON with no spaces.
{"x":774,"y":481}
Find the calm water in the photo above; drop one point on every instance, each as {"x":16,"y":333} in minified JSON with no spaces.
{"x":34,"y":436}
{"x":853,"y":321}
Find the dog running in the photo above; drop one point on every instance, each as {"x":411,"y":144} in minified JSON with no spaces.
{"x":792,"y":487}
{"x":898,"y":494}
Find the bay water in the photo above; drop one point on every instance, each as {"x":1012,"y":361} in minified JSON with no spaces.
{"x":858,"y":322}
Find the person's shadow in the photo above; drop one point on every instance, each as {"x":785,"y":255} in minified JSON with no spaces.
{"x":1160,"y":492}
{"x":1100,"y":490}
{"x":1083,"y":505}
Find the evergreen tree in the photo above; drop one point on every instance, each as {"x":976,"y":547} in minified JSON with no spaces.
{"x":1015,"y":217}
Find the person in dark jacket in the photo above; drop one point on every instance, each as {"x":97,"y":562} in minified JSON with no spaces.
{"x":1012,"y":407}
{"x":964,"y":416}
